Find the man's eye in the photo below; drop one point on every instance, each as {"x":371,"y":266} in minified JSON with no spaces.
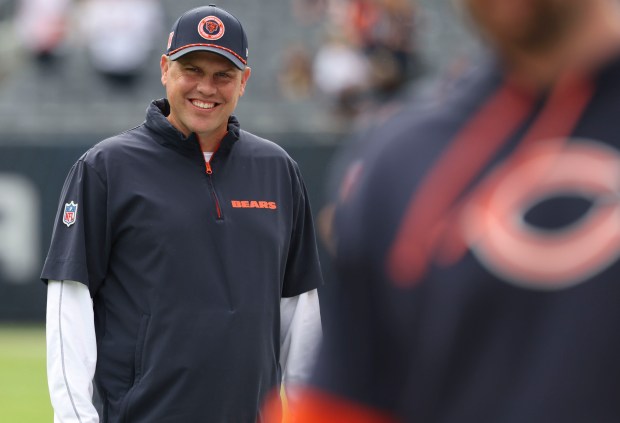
{"x":223,"y":75}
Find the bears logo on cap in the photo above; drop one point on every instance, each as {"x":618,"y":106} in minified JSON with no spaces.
{"x":211,"y":28}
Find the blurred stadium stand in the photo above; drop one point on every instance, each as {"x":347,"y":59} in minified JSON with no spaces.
{"x":68,"y":98}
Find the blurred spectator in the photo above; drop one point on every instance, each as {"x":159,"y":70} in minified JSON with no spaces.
{"x":296,"y":76}
{"x":341,"y":72}
{"x":384,"y":31}
{"x":120,"y":35}
{"x":42,"y":26}
{"x":367,"y":55}
{"x":362,"y":16}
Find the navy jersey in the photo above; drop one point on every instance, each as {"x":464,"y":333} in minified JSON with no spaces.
{"x":186,"y":263}
{"x":478,"y":256}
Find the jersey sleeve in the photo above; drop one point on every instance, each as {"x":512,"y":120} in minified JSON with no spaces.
{"x":80,"y":241}
{"x":303,"y":269}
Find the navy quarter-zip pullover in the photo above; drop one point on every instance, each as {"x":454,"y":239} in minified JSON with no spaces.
{"x":186,"y":268}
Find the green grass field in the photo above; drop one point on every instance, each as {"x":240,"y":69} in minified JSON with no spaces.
{"x":23,"y":382}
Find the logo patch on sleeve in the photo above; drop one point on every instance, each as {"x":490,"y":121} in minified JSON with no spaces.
{"x":70,"y":213}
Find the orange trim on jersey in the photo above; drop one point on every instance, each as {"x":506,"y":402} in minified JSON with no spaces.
{"x":208,"y":162}
{"x":209,"y":172}
{"x":432,"y":211}
{"x":454,"y":170}
{"x":314,"y":406}
{"x":209,"y":45}
{"x":556,"y":121}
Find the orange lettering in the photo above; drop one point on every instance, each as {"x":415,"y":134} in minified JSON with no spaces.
{"x":252,"y":204}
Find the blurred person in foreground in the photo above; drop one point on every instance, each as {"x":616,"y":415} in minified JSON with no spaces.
{"x":183,"y":266}
{"x":478,"y":247}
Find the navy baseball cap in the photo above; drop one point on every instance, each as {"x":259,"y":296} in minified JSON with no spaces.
{"x":209,"y":28}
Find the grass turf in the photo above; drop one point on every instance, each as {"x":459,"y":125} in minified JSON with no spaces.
{"x":23,"y":383}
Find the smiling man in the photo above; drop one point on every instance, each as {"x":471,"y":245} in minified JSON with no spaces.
{"x":183,"y":267}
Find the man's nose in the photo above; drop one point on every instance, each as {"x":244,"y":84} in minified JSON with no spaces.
{"x":206,"y":86}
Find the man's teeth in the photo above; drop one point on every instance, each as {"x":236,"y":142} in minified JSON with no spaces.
{"x":203,"y":105}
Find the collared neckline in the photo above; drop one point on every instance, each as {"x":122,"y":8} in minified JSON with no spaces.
{"x":167,"y":134}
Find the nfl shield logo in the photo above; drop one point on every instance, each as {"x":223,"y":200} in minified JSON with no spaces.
{"x":70,"y":214}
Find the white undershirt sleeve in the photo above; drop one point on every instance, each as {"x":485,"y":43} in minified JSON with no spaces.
{"x":300,"y":338}
{"x":71,"y":352}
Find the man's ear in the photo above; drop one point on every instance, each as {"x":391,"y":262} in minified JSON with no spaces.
{"x":244,"y":78}
{"x":165,"y":66}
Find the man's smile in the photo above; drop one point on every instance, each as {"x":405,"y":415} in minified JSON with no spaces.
{"x":203,"y":104}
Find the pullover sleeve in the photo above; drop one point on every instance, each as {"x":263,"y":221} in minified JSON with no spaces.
{"x":71,"y":351}
{"x":303,"y":268}
{"x":301,"y":335}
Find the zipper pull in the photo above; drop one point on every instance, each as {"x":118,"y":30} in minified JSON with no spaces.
{"x":208,"y":166}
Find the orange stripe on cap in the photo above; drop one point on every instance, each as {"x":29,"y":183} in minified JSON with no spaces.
{"x":313,"y":406}
{"x":245,"y":62}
